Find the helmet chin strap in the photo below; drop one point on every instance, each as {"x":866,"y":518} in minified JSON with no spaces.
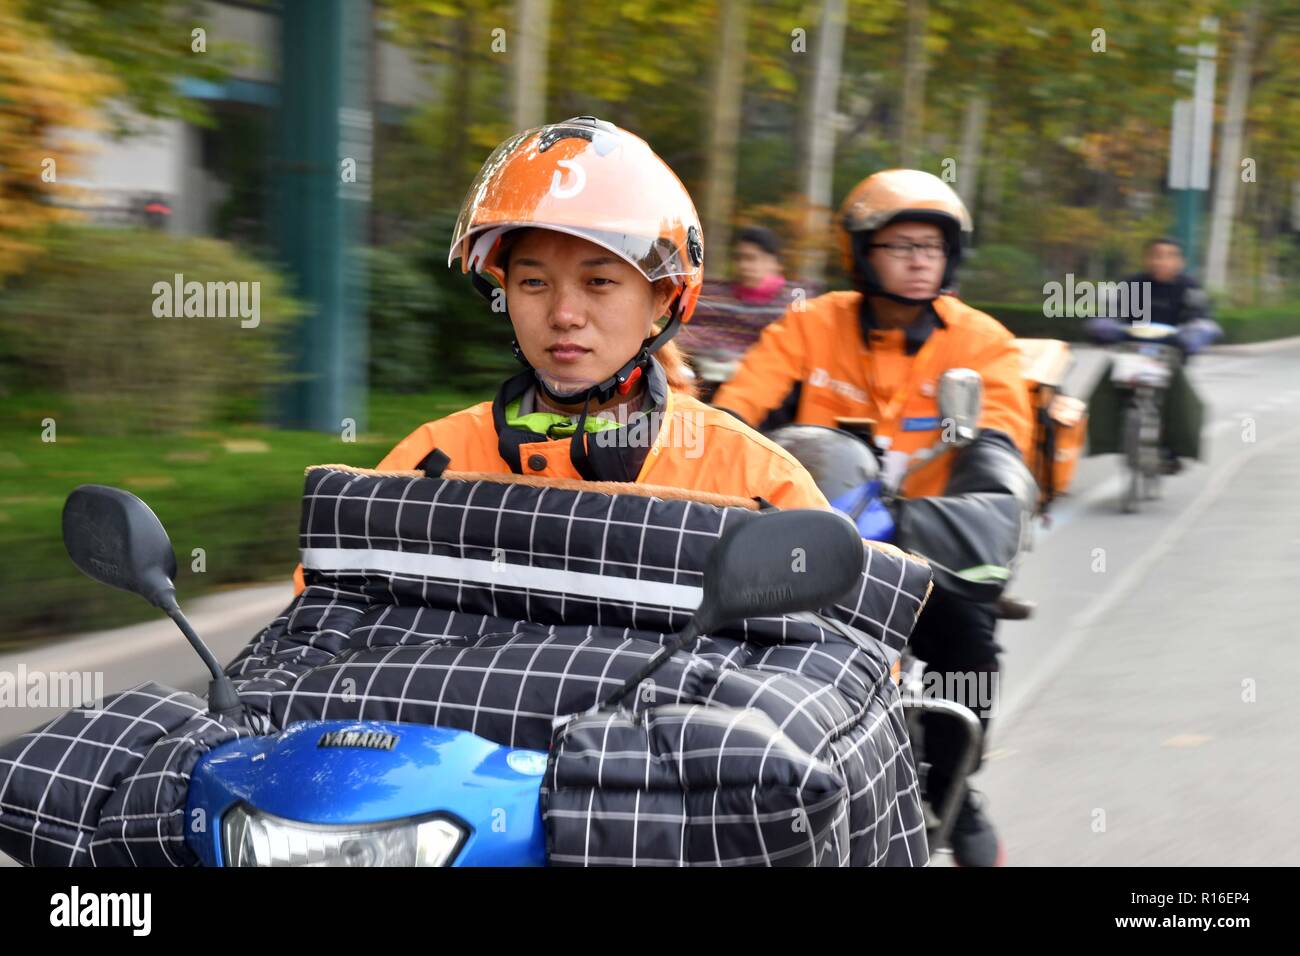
{"x":623,"y":379}
{"x":874,"y":289}
{"x":620,"y":383}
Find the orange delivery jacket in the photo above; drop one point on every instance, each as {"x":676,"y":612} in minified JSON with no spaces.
{"x":844,"y":367}
{"x":696,"y":447}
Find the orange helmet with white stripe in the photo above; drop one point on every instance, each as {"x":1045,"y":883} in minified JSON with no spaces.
{"x":589,"y":178}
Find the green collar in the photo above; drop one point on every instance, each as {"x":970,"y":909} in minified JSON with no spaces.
{"x":553,"y":424}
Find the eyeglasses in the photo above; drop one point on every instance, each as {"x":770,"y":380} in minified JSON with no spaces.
{"x":904,"y":250}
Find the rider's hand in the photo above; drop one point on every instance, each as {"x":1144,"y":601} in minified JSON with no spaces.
{"x":1104,"y":331}
{"x":1197,"y":334}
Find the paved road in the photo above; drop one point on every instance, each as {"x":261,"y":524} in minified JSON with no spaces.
{"x":154,"y":650}
{"x":1149,"y":711}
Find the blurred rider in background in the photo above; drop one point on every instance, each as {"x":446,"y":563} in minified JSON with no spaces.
{"x":1172,"y":298}
{"x":1175,"y":298}
{"x":731,"y":315}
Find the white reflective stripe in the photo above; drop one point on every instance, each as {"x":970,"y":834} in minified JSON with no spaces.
{"x":503,"y":575}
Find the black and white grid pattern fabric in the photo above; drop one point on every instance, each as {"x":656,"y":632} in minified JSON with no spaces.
{"x":107,"y":786}
{"x":494,"y":607}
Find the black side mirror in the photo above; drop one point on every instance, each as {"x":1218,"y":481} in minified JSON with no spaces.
{"x":783,"y":562}
{"x":114,"y":537}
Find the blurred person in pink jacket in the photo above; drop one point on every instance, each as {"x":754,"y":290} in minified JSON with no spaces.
{"x":731,"y":315}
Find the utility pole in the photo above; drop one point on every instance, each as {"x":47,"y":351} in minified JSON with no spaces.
{"x":321,"y":175}
{"x":532,"y":41}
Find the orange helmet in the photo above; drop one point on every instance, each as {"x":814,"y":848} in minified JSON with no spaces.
{"x":894,"y":195}
{"x":591,"y":179}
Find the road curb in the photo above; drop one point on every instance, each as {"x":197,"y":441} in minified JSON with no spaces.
{"x":153,"y":650}
{"x":252,"y":602}
{"x":1249,"y":348}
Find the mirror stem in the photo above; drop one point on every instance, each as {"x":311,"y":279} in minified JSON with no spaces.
{"x":687,"y":634}
{"x":209,"y":659}
{"x":223,"y":699}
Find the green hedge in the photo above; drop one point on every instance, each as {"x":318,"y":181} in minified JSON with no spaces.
{"x":403,"y":313}
{"x":472,"y":342}
{"x":1241,"y":325}
{"x":94,"y":319}
{"x":1260,"y":323}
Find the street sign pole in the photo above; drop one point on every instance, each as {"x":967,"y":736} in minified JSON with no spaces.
{"x":1190,"y":139}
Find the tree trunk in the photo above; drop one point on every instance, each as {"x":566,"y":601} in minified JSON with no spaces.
{"x":913,"y":118}
{"x":816,"y":178}
{"x":804,"y":109}
{"x":532,"y":22}
{"x":991,"y":199}
{"x":457,"y":106}
{"x":972,"y":143}
{"x":1229,"y":164}
{"x":1269,"y":236}
{"x":724,"y":139}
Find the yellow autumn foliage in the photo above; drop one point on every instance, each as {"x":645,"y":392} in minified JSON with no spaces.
{"x":43,"y":89}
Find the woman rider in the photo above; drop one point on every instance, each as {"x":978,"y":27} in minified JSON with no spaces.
{"x":592,"y":240}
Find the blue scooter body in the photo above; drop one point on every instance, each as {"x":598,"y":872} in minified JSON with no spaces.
{"x":428,"y":770}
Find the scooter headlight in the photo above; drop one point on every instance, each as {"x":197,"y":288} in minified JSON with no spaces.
{"x":253,"y":838}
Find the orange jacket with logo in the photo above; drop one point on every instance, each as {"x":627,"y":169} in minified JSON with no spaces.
{"x":697,"y":447}
{"x":821,"y":350}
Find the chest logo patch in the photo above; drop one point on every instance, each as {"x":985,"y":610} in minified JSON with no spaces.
{"x":820,"y":378}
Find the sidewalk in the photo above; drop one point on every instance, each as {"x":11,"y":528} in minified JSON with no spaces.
{"x":154,"y":650}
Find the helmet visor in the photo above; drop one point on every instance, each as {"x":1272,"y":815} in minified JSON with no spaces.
{"x":602,"y":185}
